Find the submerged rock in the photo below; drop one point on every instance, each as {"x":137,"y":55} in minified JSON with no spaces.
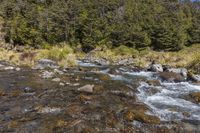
{"x":171,"y":77}
{"x":132,"y":115}
{"x":86,"y":88}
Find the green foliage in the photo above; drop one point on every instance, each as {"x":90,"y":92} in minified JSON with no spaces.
{"x":161,"y":25}
{"x":57,"y":53}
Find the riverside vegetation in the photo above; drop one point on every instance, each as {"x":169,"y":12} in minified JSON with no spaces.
{"x":66,"y":30}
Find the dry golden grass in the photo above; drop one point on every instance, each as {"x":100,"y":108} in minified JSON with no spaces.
{"x":66,"y":56}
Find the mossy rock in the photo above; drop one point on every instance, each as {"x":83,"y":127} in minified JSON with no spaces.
{"x":154,"y":82}
{"x":195,"y":96}
{"x":131,"y":115}
{"x":105,"y":77}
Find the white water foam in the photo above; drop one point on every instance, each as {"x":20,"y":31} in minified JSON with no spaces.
{"x":168,"y":103}
{"x":141,"y":73}
{"x":86,"y":64}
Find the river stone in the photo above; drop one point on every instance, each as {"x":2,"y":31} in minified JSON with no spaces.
{"x":47,"y":75}
{"x":127,"y":61}
{"x":56,"y":79}
{"x":9,"y":68}
{"x":182,"y":71}
{"x":132,"y":115}
{"x":171,"y":77}
{"x":61,"y":84}
{"x":87,"y":88}
{"x":154,"y":82}
{"x":46,"y":63}
{"x":195,"y":96}
{"x":193,"y":77}
{"x":17,"y":69}
{"x":28,"y":90}
{"x":156,"y":68}
{"x":101,"y":61}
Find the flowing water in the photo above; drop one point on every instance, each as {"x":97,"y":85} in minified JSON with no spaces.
{"x":29,"y":103}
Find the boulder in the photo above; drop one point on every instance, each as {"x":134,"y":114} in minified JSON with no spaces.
{"x":132,"y":115}
{"x":195,"y":96}
{"x":46,"y":63}
{"x":87,"y":88}
{"x":193,"y":77}
{"x":182,"y":71}
{"x":154,"y":82}
{"x":156,"y":68}
{"x":171,"y":77}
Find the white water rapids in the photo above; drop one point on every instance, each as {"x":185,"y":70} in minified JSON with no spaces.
{"x":168,"y":101}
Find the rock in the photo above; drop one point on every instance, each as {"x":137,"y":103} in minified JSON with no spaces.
{"x":104,"y":77}
{"x":58,"y":72}
{"x":102,"y":62}
{"x":61,"y":84}
{"x":171,"y":77}
{"x":75,"y":84}
{"x":47,"y":75}
{"x":152,"y":91}
{"x":127,"y":61}
{"x":113,"y":71}
{"x":85,"y":98}
{"x":182,"y":71}
{"x":195,"y":96}
{"x":156,"y":68}
{"x":193,"y":77}
{"x":48,"y":110}
{"x":9,"y":68}
{"x":17,"y":69}
{"x":86,"y":88}
{"x":56,"y":79}
{"x":46,"y":63}
{"x":154,"y":82}
{"x":28,"y":90}
{"x":132,"y":115}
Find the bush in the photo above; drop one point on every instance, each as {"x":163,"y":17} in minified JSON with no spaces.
{"x":57,"y":53}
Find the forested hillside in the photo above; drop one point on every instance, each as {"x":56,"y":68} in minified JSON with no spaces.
{"x":158,"y":24}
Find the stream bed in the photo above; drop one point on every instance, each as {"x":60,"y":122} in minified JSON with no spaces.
{"x":114,"y":99}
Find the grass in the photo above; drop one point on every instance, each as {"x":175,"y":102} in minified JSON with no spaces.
{"x":63,"y":55}
{"x":66,"y":56}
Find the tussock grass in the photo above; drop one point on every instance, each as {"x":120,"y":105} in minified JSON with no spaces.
{"x":66,"y":56}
